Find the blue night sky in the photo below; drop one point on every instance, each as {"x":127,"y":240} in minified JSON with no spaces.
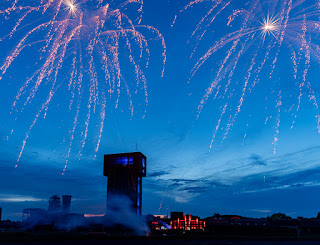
{"x":241,"y":175}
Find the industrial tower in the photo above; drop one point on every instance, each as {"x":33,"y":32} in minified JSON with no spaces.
{"x":125,"y":172}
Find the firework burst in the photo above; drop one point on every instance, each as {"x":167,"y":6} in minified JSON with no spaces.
{"x":248,"y":43}
{"x":72,"y":7}
{"x":81,"y":47}
{"x":270,"y":26}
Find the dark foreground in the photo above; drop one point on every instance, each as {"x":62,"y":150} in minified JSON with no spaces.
{"x":162,"y":242}
{"x":65,"y":238}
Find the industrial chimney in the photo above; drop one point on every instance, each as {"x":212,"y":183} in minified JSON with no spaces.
{"x":66,"y":203}
{"x":54,"y":203}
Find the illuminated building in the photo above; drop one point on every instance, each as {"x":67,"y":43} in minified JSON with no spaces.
{"x":66,"y":203}
{"x":188,"y":223}
{"x":125,"y":172}
{"x":160,"y":225}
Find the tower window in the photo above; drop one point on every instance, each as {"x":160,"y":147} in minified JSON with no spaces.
{"x":121,"y":160}
{"x":130,"y":160}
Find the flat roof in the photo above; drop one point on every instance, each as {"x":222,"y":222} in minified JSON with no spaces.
{"x":125,"y":153}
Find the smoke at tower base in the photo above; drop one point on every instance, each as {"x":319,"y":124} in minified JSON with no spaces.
{"x":121,"y":219}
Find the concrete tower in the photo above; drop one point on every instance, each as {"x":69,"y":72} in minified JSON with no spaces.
{"x":66,"y":203}
{"x":54,"y":203}
{"x":125,"y":172}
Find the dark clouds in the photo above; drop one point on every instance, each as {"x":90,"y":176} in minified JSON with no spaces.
{"x":158,"y":174}
{"x":257,"y":160}
{"x":246,"y":179}
{"x":195,"y":189}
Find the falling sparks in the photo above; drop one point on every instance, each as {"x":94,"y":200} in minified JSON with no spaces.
{"x":90,"y":51}
{"x":248,"y":52}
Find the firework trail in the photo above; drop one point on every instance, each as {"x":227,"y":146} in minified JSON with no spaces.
{"x":89,"y":48}
{"x":247,"y":42}
{"x":164,"y":194}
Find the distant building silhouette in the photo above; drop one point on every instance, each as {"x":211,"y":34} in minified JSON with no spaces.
{"x":125,"y":172}
{"x":56,"y":217}
{"x":31,"y":214}
{"x":0,"y":213}
{"x":54,"y":203}
{"x":66,"y":203}
{"x":177,"y":215}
